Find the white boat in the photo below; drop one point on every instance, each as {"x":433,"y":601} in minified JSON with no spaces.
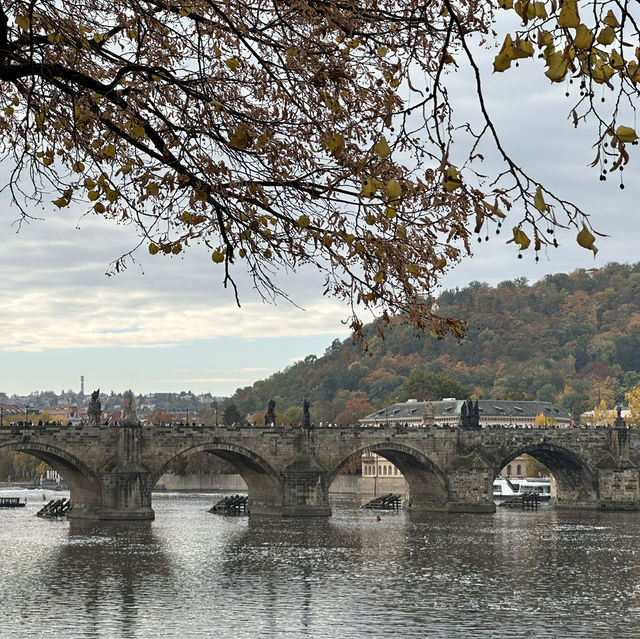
{"x":504,"y":488}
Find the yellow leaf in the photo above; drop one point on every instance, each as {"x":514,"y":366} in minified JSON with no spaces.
{"x":304,"y":221}
{"x":616,"y":60}
{"x":606,"y":36}
{"x":382,"y":148}
{"x":502,"y":62}
{"x":540,"y":10}
{"x":633,"y":70}
{"x":601,"y":73}
{"x":99,"y":207}
{"x":232,"y":63}
{"x":93,"y":195}
{"x":109,"y":150}
{"x":451,"y":180}
{"x":152,"y":188}
{"x":153,"y":248}
{"x":138,"y":131}
{"x":626,"y":134}
{"x":23,"y":22}
{"x":390,"y":212}
{"x":558,"y":67}
{"x":611,"y":20}
{"x":586,"y":239}
{"x":583,"y":38}
{"x":61,"y":202}
{"x":441,"y":263}
{"x":569,"y":14}
{"x":9,"y":111}
{"x":217,"y":256}
{"x":538,"y":200}
{"x":335,"y":142}
{"x":379,"y":277}
{"x":393,"y":189}
{"x":381,"y":51}
{"x":369,"y":187}
{"x":545,"y":38}
{"x":520,"y":237}
{"x":522,"y":49}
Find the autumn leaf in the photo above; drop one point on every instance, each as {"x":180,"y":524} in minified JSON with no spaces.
{"x":626,"y":134}
{"x":586,"y":239}
{"x":451,"y":180}
{"x":538,"y":200}
{"x":393,"y":189}
{"x":520,"y":237}
{"x":569,"y":14}
{"x":382,"y":148}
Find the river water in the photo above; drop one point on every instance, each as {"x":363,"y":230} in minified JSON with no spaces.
{"x":190,"y":573}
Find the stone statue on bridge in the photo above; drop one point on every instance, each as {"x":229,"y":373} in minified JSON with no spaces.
{"x":305,"y":413}
{"x":94,"y":412}
{"x":129,"y":417}
{"x":470,"y":414}
{"x":270,"y":417}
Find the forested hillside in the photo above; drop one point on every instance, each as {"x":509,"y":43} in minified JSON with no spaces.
{"x":573,"y":339}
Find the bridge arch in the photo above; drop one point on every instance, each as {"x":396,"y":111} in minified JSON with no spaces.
{"x":82,"y":481}
{"x":264,"y":483}
{"x":428,"y":484}
{"x":576,"y":483}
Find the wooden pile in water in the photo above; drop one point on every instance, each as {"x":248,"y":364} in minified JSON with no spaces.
{"x":55,"y":508}
{"x":233,"y":505}
{"x":523,"y":501}
{"x":384,"y":502}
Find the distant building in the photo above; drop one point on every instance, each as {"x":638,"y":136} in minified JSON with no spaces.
{"x":447,"y":412}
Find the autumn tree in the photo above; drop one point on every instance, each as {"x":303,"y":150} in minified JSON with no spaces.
{"x":281,"y":134}
{"x":633,"y":401}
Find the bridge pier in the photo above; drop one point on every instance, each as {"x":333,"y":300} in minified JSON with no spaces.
{"x":306,"y":489}
{"x":123,"y":490}
{"x":121,"y":495}
{"x":619,"y":485}
{"x":470,"y":486}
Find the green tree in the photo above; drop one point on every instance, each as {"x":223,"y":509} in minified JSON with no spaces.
{"x":277,"y":138}
{"x":231,"y":415}
{"x":425,"y":385}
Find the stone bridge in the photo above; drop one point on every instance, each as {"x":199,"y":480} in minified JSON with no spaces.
{"x":112,"y":470}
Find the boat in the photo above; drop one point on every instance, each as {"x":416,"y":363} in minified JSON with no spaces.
{"x":12,"y":502}
{"x":505,"y":487}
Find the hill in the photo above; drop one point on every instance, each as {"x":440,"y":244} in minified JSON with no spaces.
{"x":572,"y":339}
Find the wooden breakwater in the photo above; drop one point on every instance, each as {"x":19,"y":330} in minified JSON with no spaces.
{"x":55,"y":508}
{"x":233,"y":506}
{"x":390,"y":501}
{"x":525,"y":501}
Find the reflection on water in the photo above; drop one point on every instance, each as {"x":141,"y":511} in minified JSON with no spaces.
{"x":192,"y":574}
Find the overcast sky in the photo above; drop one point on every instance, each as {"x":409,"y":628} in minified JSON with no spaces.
{"x":167,"y":324}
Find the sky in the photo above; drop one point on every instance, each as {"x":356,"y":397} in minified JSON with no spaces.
{"x":167,"y":325}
